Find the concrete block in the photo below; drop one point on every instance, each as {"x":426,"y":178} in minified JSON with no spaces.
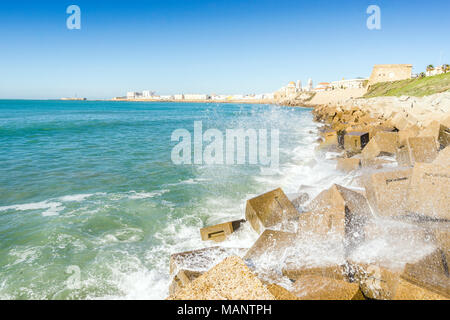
{"x":270,"y":243}
{"x":430,"y":273}
{"x":431,"y":130}
{"x":229,"y":280}
{"x":281,"y":293}
{"x":387,"y":192}
{"x":355,"y":141}
{"x":220,"y":232}
{"x":182,"y":279}
{"x":410,"y":132}
{"x":428,"y":193}
{"x":323,"y":288}
{"x":409,"y":291}
{"x":444,"y":134}
{"x":295,"y":271}
{"x":421,"y":149}
{"x":443,"y":157}
{"x":348,"y":164}
{"x":269,"y":209}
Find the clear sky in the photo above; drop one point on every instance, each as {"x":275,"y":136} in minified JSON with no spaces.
{"x":199,"y":46}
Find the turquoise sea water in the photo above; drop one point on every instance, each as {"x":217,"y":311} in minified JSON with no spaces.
{"x":91,"y":186}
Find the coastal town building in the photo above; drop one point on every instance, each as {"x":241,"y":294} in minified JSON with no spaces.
{"x":322,"y":86}
{"x":196,"y":97}
{"x":390,"y":72}
{"x":434,"y":71}
{"x":134,"y":95}
{"x":178,"y":96}
{"x":349,"y":84}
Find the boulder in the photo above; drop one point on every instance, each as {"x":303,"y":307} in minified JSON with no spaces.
{"x":269,"y":209}
{"x":384,"y":143}
{"x":443,"y":157}
{"x":323,"y":288}
{"x":220,"y":232}
{"x":387,"y":192}
{"x":229,"y":280}
{"x":271,"y":243}
{"x":428,"y":193}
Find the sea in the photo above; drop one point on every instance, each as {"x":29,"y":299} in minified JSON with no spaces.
{"x":92,"y":204}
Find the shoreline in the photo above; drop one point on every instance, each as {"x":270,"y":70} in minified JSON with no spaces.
{"x":378,"y":155}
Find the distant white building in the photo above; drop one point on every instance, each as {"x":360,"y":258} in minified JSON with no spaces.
{"x":167,"y":97}
{"x":435,"y":71}
{"x":134,"y":95}
{"x":196,"y":97}
{"x":309,"y":87}
{"x":147,"y":94}
{"x":178,"y":96}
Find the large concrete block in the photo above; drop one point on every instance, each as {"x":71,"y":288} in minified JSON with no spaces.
{"x":270,"y":243}
{"x":220,"y":232}
{"x":384,"y":143}
{"x":428,"y":193}
{"x":229,"y":280}
{"x":269,"y":209}
{"x":403,"y":135}
{"x":421,"y":149}
{"x":294,"y":271}
{"x":430,"y":273}
{"x":355,"y":141}
{"x":409,"y":291}
{"x":321,"y":223}
{"x":443,"y":157}
{"x":348,"y":164}
{"x":281,"y":293}
{"x":323,"y":288}
{"x":182,"y":279}
{"x":431,"y":130}
{"x":444,"y":133}
{"x":387,"y":192}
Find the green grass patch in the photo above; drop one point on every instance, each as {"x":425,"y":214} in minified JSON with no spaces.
{"x":412,"y":87}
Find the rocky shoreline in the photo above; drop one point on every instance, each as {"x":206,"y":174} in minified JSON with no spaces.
{"x":398,"y":151}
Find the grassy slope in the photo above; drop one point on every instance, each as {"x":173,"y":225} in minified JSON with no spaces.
{"x":412,"y":87}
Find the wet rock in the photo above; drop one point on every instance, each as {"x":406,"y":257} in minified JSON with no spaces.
{"x":323,"y":288}
{"x":220,"y":232}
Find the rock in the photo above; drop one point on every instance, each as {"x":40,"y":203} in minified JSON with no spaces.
{"x":355,"y":141}
{"x":348,"y":164}
{"x":281,"y":293}
{"x":444,"y":133}
{"x":220,"y":232}
{"x":321,"y":223}
{"x":387,"y":192}
{"x":202,"y":259}
{"x":323,"y":288}
{"x":431,"y":130}
{"x":375,"y":163}
{"x":384,"y":143}
{"x":229,"y":280}
{"x":269,"y":209}
{"x":428,"y":193}
{"x":375,"y":282}
{"x":403,"y":135}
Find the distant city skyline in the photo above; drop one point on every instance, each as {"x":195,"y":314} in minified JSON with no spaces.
{"x":198,"y":46}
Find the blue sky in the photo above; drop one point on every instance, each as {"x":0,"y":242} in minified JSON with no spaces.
{"x":199,"y":46}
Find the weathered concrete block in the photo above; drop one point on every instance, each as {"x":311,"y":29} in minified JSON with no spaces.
{"x":270,"y":243}
{"x":355,"y":141}
{"x":182,"y":279}
{"x":348,"y":164}
{"x":323,"y":288}
{"x":387,"y":192}
{"x":431,"y":130}
{"x":410,"y":132}
{"x":428,"y":193}
{"x":321,"y":223}
{"x":443,"y":157}
{"x":409,"y":291}
{"x":295,"y":271}
{"x":300,"y":200}
{"x":229,"y":280}
{"x":220,"y":232}
{"x":375,"y":163}
{"x":281,"y":293}
{"x":384,"y":143}
{"x":269,"y":209}
{"x":444,"y":133}
{"x":421,"y":149}
{"x":430,"y":273}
